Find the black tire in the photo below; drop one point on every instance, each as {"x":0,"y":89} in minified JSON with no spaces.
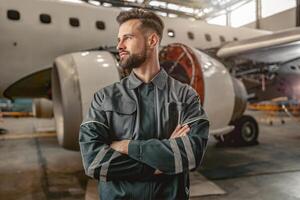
{"x":245,"y":133}
{"x":218,"y":138}
{"x":3,"y":131}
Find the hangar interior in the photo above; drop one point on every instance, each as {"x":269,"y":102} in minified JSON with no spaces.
{"x":241,"y":57}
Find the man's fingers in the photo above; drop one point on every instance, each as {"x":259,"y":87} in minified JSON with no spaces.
{"x":176,"y":130}
{"x":183,"y":129}
{"x":157,"y":172}
{"x":185,"y":132}
{"x":180,"y":131}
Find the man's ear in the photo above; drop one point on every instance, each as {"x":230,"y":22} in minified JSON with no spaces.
{"x":153,"y":40}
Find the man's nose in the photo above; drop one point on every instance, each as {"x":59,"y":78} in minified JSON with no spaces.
{"x":120,"y":46}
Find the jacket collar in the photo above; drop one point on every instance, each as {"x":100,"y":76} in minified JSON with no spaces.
{"x":159,"y":80}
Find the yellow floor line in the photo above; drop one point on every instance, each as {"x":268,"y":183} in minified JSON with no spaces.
{"x":10,"y":136}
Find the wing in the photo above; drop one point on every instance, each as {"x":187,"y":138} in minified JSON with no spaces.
{"x":272,"y":48}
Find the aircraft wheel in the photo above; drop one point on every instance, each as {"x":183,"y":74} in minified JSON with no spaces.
{"x":245,"y":133}
{"x":218,"y":138}
{"x":3,"y":131}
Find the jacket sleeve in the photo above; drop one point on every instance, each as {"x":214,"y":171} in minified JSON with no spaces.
{"x":181,"y":154}
{"x":99,"y":160}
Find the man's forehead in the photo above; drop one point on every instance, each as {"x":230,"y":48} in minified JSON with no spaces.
{"x":129,"y":27}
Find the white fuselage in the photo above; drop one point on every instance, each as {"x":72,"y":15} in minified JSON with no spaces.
{"x":28,"y":46}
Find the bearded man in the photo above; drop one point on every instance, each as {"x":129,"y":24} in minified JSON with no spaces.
{"x":133,"y":139}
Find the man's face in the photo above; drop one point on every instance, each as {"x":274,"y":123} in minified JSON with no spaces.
{"x":132,"y":45}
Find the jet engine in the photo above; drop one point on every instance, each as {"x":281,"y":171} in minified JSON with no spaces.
{"x":77,"y":76}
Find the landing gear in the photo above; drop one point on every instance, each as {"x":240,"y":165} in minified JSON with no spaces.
{"x":245,"y":133}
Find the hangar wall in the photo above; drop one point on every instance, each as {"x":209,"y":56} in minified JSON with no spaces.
{"x":279,"y":21}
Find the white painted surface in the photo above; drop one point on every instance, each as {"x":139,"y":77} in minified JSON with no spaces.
{"x":218,"y":90}
{"x":96,"y":69}
{"x":37,"y":44}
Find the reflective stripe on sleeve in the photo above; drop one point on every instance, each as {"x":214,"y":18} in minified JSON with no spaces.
{"x":189,"y":151}
{"x":104,"y":168}
{"x":177,"y":156}
{"x":97,"y":160}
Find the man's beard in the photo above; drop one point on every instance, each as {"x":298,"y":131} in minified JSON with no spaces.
{"x":134,"y":60}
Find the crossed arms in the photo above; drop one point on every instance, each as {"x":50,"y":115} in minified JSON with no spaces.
{"x":142,"y":159}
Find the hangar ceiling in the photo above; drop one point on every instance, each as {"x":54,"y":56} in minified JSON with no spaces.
{"x":198,"y":9}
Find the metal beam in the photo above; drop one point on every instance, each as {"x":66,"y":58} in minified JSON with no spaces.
{"x":117,"y":3}
{"x":226,"y":7}
{"x":298,"y":13}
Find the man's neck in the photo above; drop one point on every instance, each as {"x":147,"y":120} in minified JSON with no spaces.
{"x":147,"y":71}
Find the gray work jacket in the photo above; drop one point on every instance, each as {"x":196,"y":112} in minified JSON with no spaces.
{"x":115,"y":115}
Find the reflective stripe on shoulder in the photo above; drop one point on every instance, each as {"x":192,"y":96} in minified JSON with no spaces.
{"x":87,"y":122}
{"x":97,"y":160}
{"x":189,"y":151}
{"x":177,"y":156}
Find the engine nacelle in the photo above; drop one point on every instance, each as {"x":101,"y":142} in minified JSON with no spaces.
{"x":77,"y":76}
{"x":224,"y":98}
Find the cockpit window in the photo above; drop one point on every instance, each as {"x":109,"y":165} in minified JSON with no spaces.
{"x":45,"y":18}
{"x":13,"y":15}
{"x":74,"y":22}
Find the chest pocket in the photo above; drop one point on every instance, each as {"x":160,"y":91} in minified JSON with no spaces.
{"x":121,"y":117}
{"x":175,"y":111}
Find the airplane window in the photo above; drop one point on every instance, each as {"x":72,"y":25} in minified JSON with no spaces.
{"x":100,"y":25}
{"x":74,"y":22}
{"x":222,"y":39}
{"x":190,"y":35}
{"x":235,"y":39}
{"x":13,"y":15}
{"x":293,"y":67}
{"x":207,"y":37}
{"x":45,"y":18}
{"x":171,"y":33}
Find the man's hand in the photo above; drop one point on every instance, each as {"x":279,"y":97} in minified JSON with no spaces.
{"x":180,"y":131}
{"x":157,"y":172}
{"x":120,"y":146}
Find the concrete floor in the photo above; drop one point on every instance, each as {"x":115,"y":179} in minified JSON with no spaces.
{"x":37,"y":168}
{"x":268,"y":171}
{"x":34,"y":167}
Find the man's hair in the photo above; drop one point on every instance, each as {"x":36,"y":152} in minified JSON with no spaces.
{"x":148,"y":19}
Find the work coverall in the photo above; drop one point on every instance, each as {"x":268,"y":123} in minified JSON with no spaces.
{"x":146,"y":114}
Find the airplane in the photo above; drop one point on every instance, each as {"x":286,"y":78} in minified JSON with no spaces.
{"x":65,"y":51}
